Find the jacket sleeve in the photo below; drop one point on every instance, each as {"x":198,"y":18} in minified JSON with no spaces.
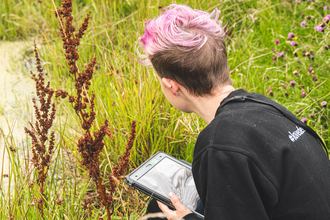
{"x":191,"y":216}
{"x":234,"y":186}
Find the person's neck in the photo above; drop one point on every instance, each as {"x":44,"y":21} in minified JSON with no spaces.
{"x":206,"y":106}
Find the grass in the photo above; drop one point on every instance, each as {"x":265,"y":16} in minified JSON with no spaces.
{"x":125,"y":90}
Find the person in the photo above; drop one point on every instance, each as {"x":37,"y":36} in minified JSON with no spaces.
{"x":254,"y":160}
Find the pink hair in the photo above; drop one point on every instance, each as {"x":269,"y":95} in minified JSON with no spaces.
{"x":179,"y":25}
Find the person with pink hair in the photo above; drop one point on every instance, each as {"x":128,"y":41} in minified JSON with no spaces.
{"x":254,"y":160}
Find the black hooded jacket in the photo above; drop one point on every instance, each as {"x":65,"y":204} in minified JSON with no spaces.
{"x":253,"y":163}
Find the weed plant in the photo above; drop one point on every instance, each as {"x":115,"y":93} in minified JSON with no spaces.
{"x":264,"y":57}
{"x":39,"y":132}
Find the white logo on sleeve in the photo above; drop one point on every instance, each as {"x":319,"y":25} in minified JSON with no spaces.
{"x":296,"y":134}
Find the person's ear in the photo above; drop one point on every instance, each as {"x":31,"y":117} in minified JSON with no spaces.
{"x":171,"y":85}
{"x":167,"y":83}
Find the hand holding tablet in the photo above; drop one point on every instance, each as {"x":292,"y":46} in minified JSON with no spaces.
{"x":163,"y":174}
{"x":180,"y":209}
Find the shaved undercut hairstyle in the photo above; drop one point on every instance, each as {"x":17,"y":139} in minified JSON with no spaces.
{"x":187,"y":46}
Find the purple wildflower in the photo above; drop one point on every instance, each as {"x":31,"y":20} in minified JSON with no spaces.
{"x":303,"y":23}
{"x":290,"y":35}
{"x":318,"y":28}
{"x":277,"y":41}
{"x":325,"y":7}
{"x":281,"y":54}
{"x":292,"y":83}
{"x":310,"y":69}
{"x":294,"y":44}
{"x":304,"y":120}
{"x":326,"y":19}
{"x":308,"y":0}
{"x":328,"y":16}
{"x":303,"y":94}
{"x":324,"y":104}
{"x":293,"y":26}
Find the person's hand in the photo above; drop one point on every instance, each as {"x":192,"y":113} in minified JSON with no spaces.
{"x":180,"y":211}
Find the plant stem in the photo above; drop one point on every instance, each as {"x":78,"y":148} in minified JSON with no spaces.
{"x":104,"y":199}
{"x":42,"y":194}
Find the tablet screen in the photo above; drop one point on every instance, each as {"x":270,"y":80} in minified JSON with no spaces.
{"x":168,"y":176}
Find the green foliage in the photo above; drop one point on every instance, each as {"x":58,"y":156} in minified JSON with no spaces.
{"x":125,"y":90}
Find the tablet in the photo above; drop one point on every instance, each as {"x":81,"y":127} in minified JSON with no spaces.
{"x":162,"y":174}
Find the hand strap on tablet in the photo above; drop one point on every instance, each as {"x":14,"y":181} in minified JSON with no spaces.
{"x":281,"y":109}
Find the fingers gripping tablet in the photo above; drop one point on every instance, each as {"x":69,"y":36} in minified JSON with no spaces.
{"x":162,"y":174}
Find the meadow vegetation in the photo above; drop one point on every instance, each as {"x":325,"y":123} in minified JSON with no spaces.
{"x":279,"y":48}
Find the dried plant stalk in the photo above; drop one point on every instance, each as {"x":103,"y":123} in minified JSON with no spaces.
{"x":39,"y":132}
{"x":89,"y":146}
{"x":118,"y":172}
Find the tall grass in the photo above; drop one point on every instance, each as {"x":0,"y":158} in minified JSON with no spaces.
{"x":125,"y":90}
